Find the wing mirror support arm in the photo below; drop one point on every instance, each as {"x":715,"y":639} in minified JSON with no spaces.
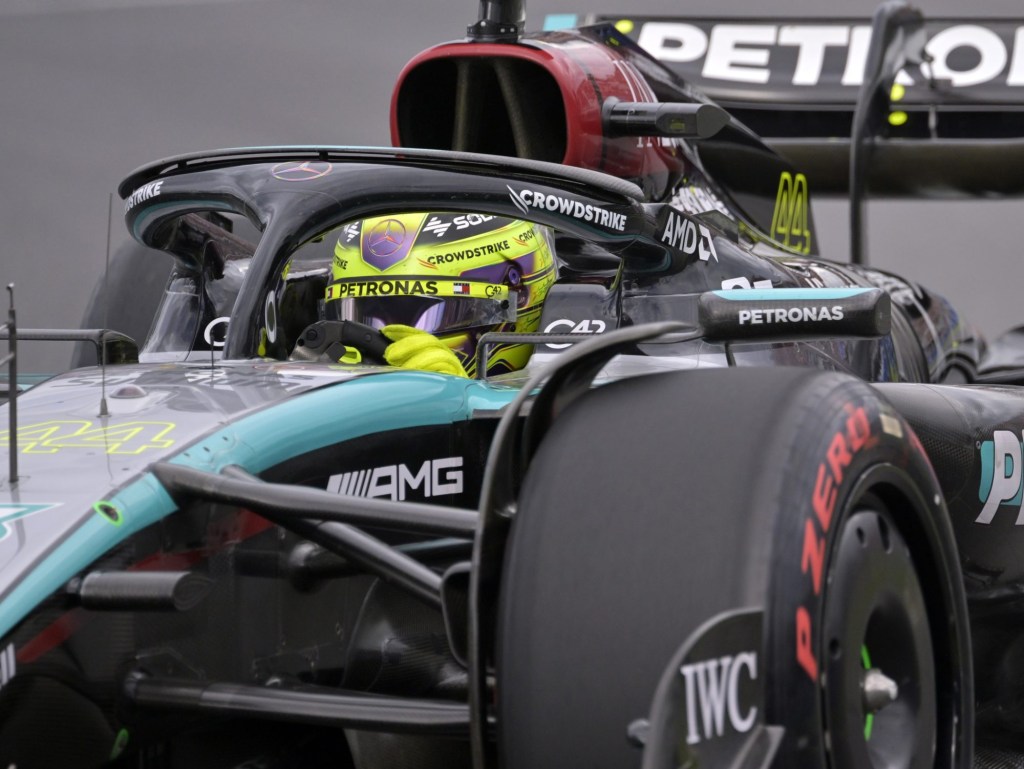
{"x":672,"y":119}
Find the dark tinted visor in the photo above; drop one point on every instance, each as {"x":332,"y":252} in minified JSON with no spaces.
{"x":427,"y":313}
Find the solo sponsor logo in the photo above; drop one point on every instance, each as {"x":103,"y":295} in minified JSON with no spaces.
{"x":436,"y":226}
{"x":585,"y":212}
{"x":351,"y":231}
{"x":790,"y":315}
{"x":439,"y":226}
{"x":681,"y":233}
{"x":567,"y":326}
{"x":145,"y":192}
{"x":470,"y":220}
{"x":433,"y":478}
{"x":963,"y":54}
{"x":713,"y":693}
{"x":854,"y":436}
{"x":1002,"y":479}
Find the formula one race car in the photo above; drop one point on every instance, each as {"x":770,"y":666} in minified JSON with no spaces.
{"x":741,"y":507}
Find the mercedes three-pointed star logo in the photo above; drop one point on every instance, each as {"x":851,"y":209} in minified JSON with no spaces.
{"x":386,"y":237}
{"x":300,"y":172}
{"x":386,"y":244}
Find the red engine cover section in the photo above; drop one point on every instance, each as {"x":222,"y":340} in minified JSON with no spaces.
{"x":541,"y":99}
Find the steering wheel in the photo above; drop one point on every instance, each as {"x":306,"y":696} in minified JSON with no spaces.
{"x":326,"y":340}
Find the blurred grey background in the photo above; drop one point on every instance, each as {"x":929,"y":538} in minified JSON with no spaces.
{"x":91,"y":89}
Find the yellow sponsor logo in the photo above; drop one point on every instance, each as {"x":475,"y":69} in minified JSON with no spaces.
{"x":355,"y":289}
{"x":358,"y":289}
{"x":791,"y":220}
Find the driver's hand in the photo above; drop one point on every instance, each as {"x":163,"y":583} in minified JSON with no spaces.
{"x":412,"y":348}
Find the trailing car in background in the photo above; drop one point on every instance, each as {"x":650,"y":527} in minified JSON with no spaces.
{"x":744,"y":507}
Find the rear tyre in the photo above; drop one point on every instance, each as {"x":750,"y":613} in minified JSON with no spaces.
{"x":656,"y":503}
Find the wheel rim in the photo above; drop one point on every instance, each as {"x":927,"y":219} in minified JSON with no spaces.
{"x":879,"y":691}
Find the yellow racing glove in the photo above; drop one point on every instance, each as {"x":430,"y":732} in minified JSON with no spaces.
{"x":412,"y":348}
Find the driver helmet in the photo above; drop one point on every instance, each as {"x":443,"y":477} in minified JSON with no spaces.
{"x":456,"y":276}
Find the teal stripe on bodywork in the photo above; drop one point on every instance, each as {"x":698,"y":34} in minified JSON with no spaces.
{"x":305,"y":423}
{"x":788,"y":294}
{"x":370,"y":404}
{"x":149,"y":503}
{"x":150,"y":210}
{"x":988,"y":474}
{"x":556,"y":21}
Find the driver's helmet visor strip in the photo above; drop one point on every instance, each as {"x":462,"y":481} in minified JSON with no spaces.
{"x":442,"y":306}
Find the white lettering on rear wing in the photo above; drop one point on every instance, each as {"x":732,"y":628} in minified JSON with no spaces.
{"x":822,"y":61}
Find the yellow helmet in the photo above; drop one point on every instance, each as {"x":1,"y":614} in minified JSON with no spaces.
{"x":455,"y":276}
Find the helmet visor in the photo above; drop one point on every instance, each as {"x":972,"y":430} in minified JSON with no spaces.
{"x":476,"y":304}
{"x":432,"y":314}
{"x":435,"y":315}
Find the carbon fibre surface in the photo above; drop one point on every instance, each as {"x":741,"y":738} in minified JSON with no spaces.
{"x":998,"y":758}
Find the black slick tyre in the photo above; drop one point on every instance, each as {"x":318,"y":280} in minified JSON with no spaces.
{"x":656,"y":503}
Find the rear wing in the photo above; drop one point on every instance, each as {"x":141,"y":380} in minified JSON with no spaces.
{"x":954,"y":127}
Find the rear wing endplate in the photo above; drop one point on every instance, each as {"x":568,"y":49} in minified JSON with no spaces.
{"x":796,"y":83}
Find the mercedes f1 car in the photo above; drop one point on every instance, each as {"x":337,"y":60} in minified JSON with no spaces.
{"x":744,"y":507}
